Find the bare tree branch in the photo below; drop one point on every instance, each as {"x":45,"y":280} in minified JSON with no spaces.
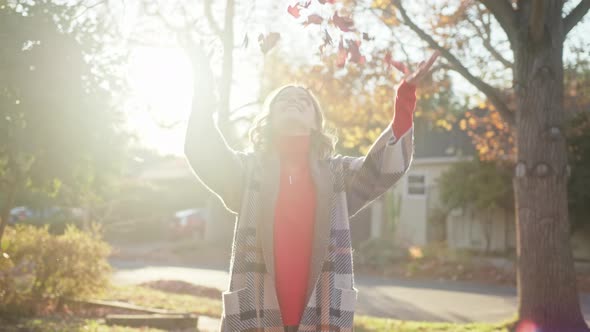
{"x":395,"y":36}
{"x":506,"y":16}
{"x":575,"y":16}
{"x":487,"y":43}
{"x":211,"y":19}
{"x":491,"y":93}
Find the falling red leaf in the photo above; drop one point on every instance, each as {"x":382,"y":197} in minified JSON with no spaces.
{"x":327,"y":38}
{"x":367,"y":37}
{"x":313,"y":19}
{"x":294,"y":10}
{"x":327,"y":41}
{"x":355,"y":54}
{"x":342,"y":54}
{"x":245,"y":42}
{"x":343,"y":23}
{"x":269,"y":41}
{"x":387,"y":59}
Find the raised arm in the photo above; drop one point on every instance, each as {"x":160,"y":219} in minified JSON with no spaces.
{"x":368,"y":177}
{"x":389,"y":158}
{"x":216,"y":165}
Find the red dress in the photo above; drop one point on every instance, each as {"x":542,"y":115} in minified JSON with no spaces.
{"x":295,"y":211}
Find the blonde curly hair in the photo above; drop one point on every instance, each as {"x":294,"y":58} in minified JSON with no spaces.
{"x":323,"y":139}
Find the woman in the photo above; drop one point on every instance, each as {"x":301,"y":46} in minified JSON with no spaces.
{"x":291,"y":265}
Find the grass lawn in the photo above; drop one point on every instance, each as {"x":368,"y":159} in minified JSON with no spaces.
{"x":55,"y":324}
{"x":367,"y":323}
{"x":362,"y":324}
{"x":144,"y":296}
{"x":152,"y":298}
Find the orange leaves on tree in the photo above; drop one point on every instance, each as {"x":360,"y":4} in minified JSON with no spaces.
{"x":269,"y":41}
{"x":491,"y":136}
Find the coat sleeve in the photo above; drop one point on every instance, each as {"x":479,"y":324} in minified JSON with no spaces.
{"x":368,"y":177}
{"x":218,"y":167}
{"x":389,"y":158}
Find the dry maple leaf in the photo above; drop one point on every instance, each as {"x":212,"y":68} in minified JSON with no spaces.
{"x":343,"y":23}
{"x":294,"y":10}
{"x":269,"y":41}
{"x":355,"y":54}
{"x":313,"y":19}
{"x":342,"y":54}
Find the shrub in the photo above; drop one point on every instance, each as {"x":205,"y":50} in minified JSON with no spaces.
{"x":41,"y":269}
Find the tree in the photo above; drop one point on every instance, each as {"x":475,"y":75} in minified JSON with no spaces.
{"x":532,"y":54}
{"x":59,"y":131}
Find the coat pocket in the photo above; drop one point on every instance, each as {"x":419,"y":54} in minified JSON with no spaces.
{"x":231,"y":301}
{"x":348,"y":298}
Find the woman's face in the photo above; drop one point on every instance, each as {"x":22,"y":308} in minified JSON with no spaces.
{"x":292,"y":112}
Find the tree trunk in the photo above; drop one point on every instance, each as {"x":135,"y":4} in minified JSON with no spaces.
{"x":547,"y":290}
{"x":6,"y":207}
{"x":227,"y":71}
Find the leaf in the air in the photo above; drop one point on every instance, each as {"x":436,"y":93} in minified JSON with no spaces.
{"x":294,"y":10}
{"x":355,"y":53}
{"x":269,"y":41}
{"x":327,"y":41}
{"x":343,"y":23}
{"x":245,"y":41}
{"x":342,"y":54}
{"x":313,"y":19}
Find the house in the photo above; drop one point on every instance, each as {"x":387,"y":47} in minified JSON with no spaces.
{"x":416,"y":204}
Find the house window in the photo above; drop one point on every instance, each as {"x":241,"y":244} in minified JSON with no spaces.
{"x":416,"y":185}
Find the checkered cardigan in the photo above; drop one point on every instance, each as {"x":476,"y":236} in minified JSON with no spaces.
{"x":248,"y":186}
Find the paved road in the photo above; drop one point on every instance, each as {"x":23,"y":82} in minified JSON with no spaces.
{"x":391,"y":298}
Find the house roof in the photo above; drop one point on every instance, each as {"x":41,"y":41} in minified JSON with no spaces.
{"x":435,"y":142}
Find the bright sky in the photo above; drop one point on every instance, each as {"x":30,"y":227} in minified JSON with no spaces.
{"x":162,"y":86}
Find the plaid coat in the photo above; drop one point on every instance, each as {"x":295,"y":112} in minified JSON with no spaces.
{"x":248,"y":186}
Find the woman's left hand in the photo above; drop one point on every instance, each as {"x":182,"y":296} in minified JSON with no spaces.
{"x":414,"y":77}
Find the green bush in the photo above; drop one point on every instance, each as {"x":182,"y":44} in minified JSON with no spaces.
{"x":40,"y":270}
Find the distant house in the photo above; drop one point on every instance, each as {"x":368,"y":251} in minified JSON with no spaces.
{"x":415,"y":200}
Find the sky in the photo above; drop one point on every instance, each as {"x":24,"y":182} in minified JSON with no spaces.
{"x":159,"y":103}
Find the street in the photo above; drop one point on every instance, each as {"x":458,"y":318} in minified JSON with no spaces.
{"x":443,"y":301}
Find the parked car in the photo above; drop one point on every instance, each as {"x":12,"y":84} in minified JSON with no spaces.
{"x":20,"y":213}
{"x":190,"y":222}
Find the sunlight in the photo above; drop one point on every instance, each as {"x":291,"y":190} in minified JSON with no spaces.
{"x":159,"y":104}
